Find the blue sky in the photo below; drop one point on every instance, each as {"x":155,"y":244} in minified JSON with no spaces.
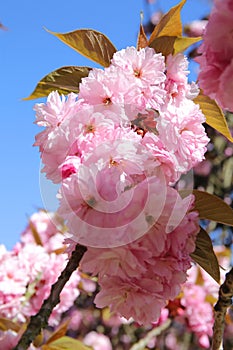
{"x":27,"y":54}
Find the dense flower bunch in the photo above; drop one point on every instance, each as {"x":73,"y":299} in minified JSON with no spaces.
{"x":117,"y":149}
{"x":216,"y":61}
{"x":28,"y":271}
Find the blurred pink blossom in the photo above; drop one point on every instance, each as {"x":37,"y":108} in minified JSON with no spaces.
{"x":216,"y":60}
{"x":195,"y":28}
{"x":97,"y":341}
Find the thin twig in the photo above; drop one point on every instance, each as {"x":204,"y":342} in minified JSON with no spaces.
{"x":150,"y":335}
{"x":40,"y":320}
{"x":224,"y":301}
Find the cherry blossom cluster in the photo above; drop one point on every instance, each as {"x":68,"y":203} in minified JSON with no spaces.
{"x":116,"y":150}
{"x":28,"y":271}
{"x":216,"y":60}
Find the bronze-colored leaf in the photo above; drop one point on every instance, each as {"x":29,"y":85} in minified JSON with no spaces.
{"x":183,"y":42}
{"x":142,"y":38}
{"x":204,"y":255}
{"x":214,"y":115}
{"x":163,"y":44}
{"x":170,"y":24}
{"x":64,"y":80}
{"x":35,"y":233}
{"x":6,"y":324}
{"x":211,"y":207}
{"x":172,"y":44}
{"x":89,"y":43}
{"x":60,"y":332}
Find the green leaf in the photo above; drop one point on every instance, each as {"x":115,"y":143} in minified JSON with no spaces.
{"x":204,"y":255}
{"x":89,"y":43}
{"x":65,"y":343}
{"x":214,"y":115}
{"x":64,"y":80}
{"x":170,"y":24}
{"x":183,"y":42}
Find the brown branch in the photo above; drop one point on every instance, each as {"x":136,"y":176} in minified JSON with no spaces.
{"x":142,"y":343}
{"x":224,"y":301}
{"x":40,"y":320}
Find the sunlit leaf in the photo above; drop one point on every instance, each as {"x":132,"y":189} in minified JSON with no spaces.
{"x":65,"y":343}
{"x":183,"y":42}
{"x":204,"y":255}
{"x":214,"y":115}
{"x":6,"y":324}
{"x":172,"y":44}
{"x":64,"y":80}
{"x":170,"y":24}
{"x":60,"y":332}
{"x":163,"y":44}
{"x":89,"y":43}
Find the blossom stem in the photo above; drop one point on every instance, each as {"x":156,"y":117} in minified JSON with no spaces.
{"x":153,"y":333}
{"x":40,"y":320}
{"x":220,"y":309}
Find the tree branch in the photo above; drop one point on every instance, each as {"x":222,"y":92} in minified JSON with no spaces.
{"x":224,"y":301}
{"x":142,"y":343}
{"x":40,"y":320}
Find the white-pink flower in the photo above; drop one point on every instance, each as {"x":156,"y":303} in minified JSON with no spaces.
{"x":181,"y":131}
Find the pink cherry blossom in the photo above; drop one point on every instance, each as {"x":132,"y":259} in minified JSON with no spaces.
{"x":196,"y":27}
{"x":182,"y":133}
{"x":116,"y":152}
{"x":217,"y":55}
{"x":97,"y":341}
{"x":198,"y":312}
{"x":9,"y":340}
{"x":28,"y":272}
{"x":137,"y":279}
{"x":177,"y":84}
{"x":144,"y":67}
{"x":47,"y":227}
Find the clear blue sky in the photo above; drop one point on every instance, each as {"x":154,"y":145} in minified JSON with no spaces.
{"x":27,"y":53}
